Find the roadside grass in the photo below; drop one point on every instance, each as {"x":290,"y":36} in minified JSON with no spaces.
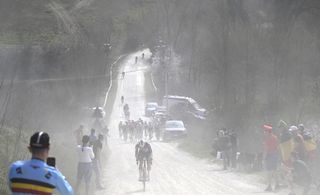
{"x":65,"y":144}
{"x":199,"y":141}
{"x":13,"y":142}
{"x":13,"y":145}
{"x":196,"y":148}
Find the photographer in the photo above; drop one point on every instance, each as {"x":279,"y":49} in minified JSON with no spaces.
{"x":35,"y":176}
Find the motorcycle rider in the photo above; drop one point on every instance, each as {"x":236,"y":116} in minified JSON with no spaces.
{"x":143,"y":151}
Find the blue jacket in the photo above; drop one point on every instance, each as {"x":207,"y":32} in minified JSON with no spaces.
{"x":36,"y":177}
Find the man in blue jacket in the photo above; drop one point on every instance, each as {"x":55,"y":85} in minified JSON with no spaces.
{"x":35,"y":176}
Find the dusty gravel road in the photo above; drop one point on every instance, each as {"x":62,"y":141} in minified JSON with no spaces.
{"x":173,"y":171}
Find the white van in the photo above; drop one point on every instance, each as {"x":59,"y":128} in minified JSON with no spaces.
{"x":188,"y":105}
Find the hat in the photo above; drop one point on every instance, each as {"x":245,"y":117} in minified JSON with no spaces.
{"x":39,"y":140}
{"x":267,"y":128}
{"x":293,"y":128}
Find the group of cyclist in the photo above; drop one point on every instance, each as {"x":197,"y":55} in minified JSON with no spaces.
{"x":135,"y":130}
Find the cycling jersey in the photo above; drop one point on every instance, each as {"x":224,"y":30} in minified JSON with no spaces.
{"x":36,"y":177}
{"x":144,"y":151}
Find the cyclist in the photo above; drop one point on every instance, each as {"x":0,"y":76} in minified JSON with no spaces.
{"x":143,"y":151}
{"x":122,"y":99}
{"x":35,"y":176}
{"x":126,"y":111}
{"x":125,"y":108}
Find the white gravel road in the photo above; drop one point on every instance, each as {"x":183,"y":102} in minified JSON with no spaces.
{"x":173,"y":171}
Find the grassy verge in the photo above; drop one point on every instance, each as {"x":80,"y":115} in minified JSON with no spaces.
{"x":65,"y":148}
{"x":199,"y":140}
{"x":12,"y":146}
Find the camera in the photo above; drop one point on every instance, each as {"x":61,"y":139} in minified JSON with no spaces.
{"x":51,"y":161}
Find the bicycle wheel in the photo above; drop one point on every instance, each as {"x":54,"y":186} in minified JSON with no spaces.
{"x":144,"y":185}
{"x":144,"y":175}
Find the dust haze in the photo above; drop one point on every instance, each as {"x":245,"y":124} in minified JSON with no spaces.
{"x":231,"y":66}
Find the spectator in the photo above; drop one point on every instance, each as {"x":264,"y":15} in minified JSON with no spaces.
{"x":85,"y":155}
{"x":300,"y":174}
{"x":286,"y":145}
{"x":44,"y":178}
{"x":105,"y":132}
{"x":93,"y":137}
{"x":78,"y":133}
{"x":298,"y":141}
{"x":224,"y":147}
{"x":310,"y":144}
{"x":271,"y":156}
{"x":97,"y":147}
{"x":234,"y":148}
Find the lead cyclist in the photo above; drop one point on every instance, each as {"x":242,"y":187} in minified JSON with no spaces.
{"x":143,"y":151}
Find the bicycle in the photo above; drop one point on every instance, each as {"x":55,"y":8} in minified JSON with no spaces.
{"x":144,"y":172}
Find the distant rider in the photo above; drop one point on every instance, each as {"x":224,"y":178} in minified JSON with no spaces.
{"x":126,"y":111}
{"x":143,"y":151}
{"x":122,"y":99}
{"x":125,"y":108}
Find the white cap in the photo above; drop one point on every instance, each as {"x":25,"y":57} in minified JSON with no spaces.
{"x":293,"y":128}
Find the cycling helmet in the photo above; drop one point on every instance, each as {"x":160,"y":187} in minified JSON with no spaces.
{"x":141,"y":143}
